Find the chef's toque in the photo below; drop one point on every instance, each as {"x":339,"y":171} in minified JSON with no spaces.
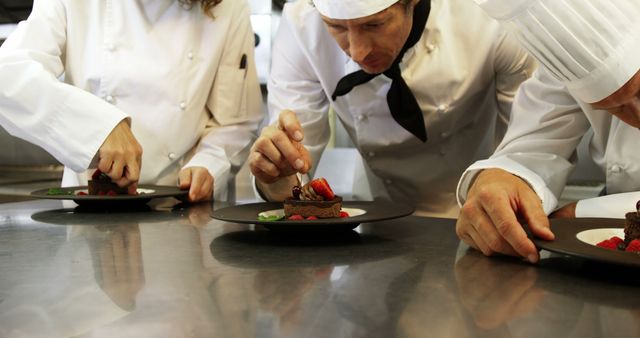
{"x":351,"y":9}
{"x":592,"y":46}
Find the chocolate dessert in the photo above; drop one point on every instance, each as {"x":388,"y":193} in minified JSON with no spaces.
{"x":632,"y":225}
{"x":314,"y":199}
{"x":100,"y":184}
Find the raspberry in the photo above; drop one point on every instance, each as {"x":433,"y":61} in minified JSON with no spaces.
{"x":608,"y":244}
{"x":311,"y":218}
{"x":616,"y":240}
{"x":634,"y":246}
{"x":344,"y":214}
{"x":81,"y":193}
{"x":296,"y":217}
{"x":111,"y":193}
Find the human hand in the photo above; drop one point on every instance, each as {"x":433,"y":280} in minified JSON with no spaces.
{"x":494,"y":292}
{"x":281,"y":292}
{"x":567,"y":211}
{"x":278,"y":152}
{"x":488,"y":220}
{"x":121,"y":157}
{"x":120,"y":264}
{"x":199,"y":182}
{"x":625,"y":102}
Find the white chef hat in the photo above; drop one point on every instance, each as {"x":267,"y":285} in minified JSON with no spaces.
{"x":351,"y":9}
{"x":592,"y":46}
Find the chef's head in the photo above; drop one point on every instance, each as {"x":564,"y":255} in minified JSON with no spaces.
{"x":371,"y":32}
{"x":624,"y":102}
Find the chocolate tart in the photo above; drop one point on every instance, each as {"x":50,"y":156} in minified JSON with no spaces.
{"x":306,"y":208}
{"x":631,"y":227}
{"x":101,"y":187}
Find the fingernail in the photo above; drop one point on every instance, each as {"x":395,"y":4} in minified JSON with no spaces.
{"x":532,"y":258}
{"x":297,"y":136}
{"x":299,"y":164}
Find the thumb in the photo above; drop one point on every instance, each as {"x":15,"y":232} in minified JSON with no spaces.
{"x":184,"y":179}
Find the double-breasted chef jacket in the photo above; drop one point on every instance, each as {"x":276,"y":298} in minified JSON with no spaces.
{"x":464,"y":72}
{"x":76,"y":68}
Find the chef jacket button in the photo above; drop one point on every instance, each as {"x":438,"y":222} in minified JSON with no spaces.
{"x":109,"y":99}
{"x":445,"y":134}
{"x":430,"y":47}
{"x":443,"y":151}
{"x":190,"y":56}
{"x":172,"y":156}
{"x":371,"y":154}
{"x":615,"y":169}
{"x":388,"y":181}
{"x":362,"y":117}
{"x":443,"y":108}
{"x":183,"y":105}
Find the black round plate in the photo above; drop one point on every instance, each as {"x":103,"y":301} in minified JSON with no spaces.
{"x":374,"y":211}
{"x":146,"y":193}
{"x":566,"y":241}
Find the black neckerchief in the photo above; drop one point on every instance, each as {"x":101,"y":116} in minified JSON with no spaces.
{"x":402,"y":104}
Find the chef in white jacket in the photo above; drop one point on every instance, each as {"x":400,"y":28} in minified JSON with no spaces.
{"x":99,"y":83}
{"x":461,"y":70}
{"x":590,"y":78}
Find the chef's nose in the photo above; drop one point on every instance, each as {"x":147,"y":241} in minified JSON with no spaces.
{"x":359,"y":46}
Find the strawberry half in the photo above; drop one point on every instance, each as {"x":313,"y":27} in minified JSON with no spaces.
{"x":322,"y":188}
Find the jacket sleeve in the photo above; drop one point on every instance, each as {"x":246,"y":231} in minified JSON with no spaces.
{"x":235,"y":105}
{"x":540,"y":144}
{"x":35,"y":105}
{"x":513,"y":66}
{"x":294,"y":84}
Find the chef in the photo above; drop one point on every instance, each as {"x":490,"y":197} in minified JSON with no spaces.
{"x":423,"y":89}
{"x":590,"y":79}
{"x":111,"y":84}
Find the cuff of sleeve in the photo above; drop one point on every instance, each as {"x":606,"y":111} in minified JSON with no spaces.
{"x":610,"y":206}
{"x":549,"y":201}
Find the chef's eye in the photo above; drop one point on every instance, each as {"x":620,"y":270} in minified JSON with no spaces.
{"x":336,"y":28}
{"x":374,"y":25}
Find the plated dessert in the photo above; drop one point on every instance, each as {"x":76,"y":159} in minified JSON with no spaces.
{"x":313,"y":200}
{"x":101,"y":184}
{"x":631,"y":241}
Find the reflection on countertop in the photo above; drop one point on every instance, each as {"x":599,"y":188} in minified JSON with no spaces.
{"x":170,"y":270}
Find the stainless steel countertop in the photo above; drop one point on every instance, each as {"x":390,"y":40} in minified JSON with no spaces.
{"x":173,"y":271}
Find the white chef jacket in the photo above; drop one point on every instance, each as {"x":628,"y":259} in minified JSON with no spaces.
{"x":464,"y":72}
{"x":590,"y":45}
{"x":546,"y":125}
{"x":172,"y":70}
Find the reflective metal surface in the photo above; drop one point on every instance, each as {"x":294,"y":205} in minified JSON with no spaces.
{"x":172,"y":271}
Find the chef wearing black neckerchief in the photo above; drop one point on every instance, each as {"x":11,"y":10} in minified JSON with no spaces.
{"x":423,"y":88}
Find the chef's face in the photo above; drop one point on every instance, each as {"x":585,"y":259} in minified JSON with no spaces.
{"x":376,"y":40}
{"x":625,"y":102}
